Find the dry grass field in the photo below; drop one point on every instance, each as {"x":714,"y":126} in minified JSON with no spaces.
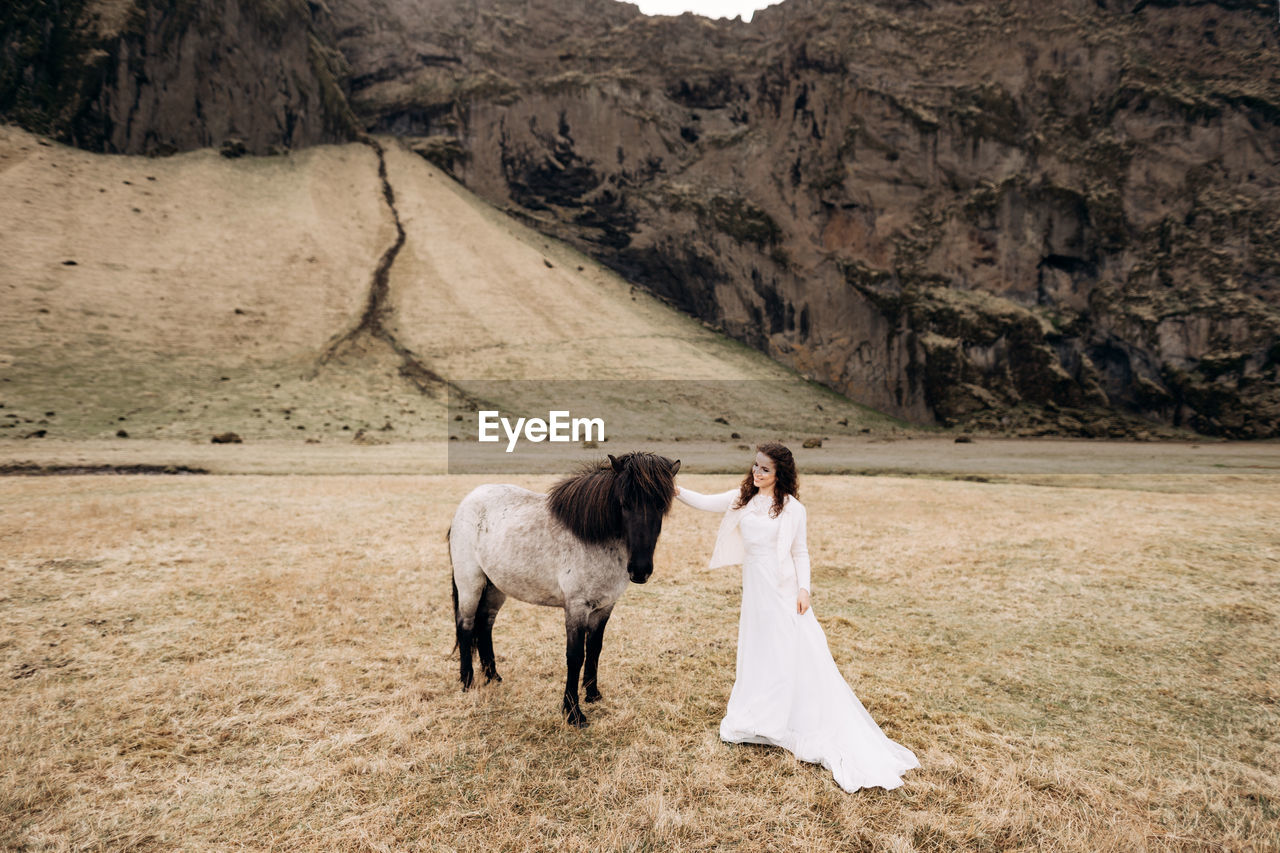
{"x":263,"y":662}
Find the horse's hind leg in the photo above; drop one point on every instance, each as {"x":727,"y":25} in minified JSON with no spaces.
{"x":490,"y":603}
{"x":595,"y":637}
{"x":468,"y":588}
{"x":464,"y":626}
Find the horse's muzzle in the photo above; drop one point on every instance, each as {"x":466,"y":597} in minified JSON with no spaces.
{"x":639,"y":575}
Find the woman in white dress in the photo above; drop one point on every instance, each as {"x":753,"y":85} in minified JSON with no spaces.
{"x":788,"y":691}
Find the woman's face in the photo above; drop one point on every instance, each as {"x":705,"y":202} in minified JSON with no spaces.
{"x":764,"y":473}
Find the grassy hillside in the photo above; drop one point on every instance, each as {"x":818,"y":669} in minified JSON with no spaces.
{"x":174,"y":299}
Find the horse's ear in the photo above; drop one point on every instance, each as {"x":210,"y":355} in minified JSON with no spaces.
{"x":617,"y":466}
{"x":675,"y":466}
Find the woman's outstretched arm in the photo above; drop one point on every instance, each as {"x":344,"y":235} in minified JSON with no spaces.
{"x":711,"y":503}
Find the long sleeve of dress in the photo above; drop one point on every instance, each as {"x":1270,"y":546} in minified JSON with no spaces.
{"x":800,"y":550}
{"x":711,"y":503}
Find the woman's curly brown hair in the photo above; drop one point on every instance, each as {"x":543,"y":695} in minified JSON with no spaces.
{"x":788,"y":482}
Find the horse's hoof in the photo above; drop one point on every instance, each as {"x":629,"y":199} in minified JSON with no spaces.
{"x":489,"y":679}
{"x":574,"y":717}
{"x":592,"y":696}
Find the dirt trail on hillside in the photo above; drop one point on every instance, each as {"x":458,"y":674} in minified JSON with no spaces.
{"x":373,"y":322}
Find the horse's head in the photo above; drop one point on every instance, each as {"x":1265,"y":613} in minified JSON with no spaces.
{"x":643,"y":487}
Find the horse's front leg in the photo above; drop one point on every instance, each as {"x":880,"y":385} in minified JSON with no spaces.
{"x":595,"y":638}
{"x":575,"y":626}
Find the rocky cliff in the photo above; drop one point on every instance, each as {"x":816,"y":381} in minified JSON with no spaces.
{"x":156,"y":77}
{"x":1049,"y":218}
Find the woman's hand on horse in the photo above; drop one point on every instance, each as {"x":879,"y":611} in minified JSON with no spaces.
{"x":802,"y":601}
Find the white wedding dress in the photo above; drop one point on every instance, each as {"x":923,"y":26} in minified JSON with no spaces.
{"x":788,"y":691}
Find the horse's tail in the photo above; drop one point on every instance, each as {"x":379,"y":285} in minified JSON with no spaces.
{"x":453,"y":583}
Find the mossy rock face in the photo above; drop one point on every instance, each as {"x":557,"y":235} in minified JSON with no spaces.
{"x":1105,"y":207}
{"x":677,"y":272}
{"x":709,"y":91}
{"x":489,"y":86}
{"x":879,"y":287}
{"x":60,"y":64}
{"x":276,"y":17}
{"x":988,"y":111}
{"x":987,"y":344}
{"x":1109,"y":159}
{"x":744,"y":222}
{"x":550,"y":177}
{"x":979,"y":354}
{"x":329,"y":68}
{"x":48,"y":66}
{"x":444,"y":152}
{"x":982,"y":203}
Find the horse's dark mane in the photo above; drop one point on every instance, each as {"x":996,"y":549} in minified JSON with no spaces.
{"x":584,"y":502}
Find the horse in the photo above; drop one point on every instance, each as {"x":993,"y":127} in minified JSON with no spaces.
{"x":574,"y":548}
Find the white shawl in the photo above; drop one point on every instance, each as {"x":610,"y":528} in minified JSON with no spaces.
{"x":793,"y":552}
